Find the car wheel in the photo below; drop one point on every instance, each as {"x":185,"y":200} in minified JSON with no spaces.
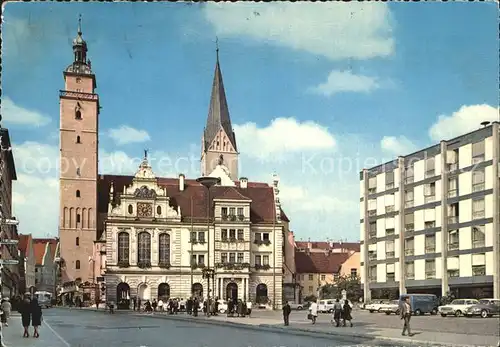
{"x":434,"y":311}
{"x":299,"y":308}
{"x":484,"y":314}
{"x":330,"y":310}
{"x":418,"y":312}
{"x":443,"y":315}
{"x":458,"y":313}
{"x":371,"y":311}
{"x":387,"y":313}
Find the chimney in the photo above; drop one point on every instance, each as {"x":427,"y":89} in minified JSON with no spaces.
{"x":181,"y":182}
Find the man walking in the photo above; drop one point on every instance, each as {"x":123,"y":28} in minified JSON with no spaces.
{"x":286,"y":313}
{"x":406,"y":316}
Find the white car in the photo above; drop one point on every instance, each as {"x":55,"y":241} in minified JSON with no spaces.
{"x":326,"y":306}
{"x":392,"y":307}
{"x":457,"y":307}
{"x":376,"y":306}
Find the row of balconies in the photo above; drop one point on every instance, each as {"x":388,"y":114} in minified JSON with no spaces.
{"x":233,"y":240}
{"x":477,"y":270}
{"x":233,"y":217}
{"x":195,"y":265}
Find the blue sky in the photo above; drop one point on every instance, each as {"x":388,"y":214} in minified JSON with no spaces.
{"x":316,"y":91}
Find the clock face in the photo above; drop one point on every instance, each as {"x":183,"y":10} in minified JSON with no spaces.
{"x":144,"y":209}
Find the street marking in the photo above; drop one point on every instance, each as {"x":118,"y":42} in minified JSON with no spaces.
{"x":57,"y":335}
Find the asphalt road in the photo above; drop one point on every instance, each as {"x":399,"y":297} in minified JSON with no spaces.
{"x":80,"y":328}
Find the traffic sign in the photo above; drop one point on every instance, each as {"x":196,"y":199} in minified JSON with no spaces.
{"x":9,"y":242}
{"x":9,"y":262}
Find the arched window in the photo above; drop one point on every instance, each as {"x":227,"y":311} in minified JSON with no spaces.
{"x":130,"y":209}
{"x":77,"y":264}
{"x":158,"y":210}
{"x":78,"y":218}
{"x":144,"y":248}
{"x":77,"y":241}
{"x":164,"y":249}
{"x":78,"y":139}
{"x":78,"y":114}
{"x":261,"y":294}
{"x":123,"y":247}
{"x":77,"y":193}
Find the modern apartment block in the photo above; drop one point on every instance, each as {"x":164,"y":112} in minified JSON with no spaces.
{"x":430,"y":220}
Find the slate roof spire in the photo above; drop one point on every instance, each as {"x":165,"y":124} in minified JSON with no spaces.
{"x":218,"y":111}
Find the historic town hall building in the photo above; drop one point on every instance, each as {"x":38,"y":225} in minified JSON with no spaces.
{"x":153,"y":237}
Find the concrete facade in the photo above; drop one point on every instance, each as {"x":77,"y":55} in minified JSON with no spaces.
{"x":430,"y":219}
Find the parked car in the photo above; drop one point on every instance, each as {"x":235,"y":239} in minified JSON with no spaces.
{"x":392,"y":307}
{"x":457,"y":307}
{"x":376,"y":306}
{"x":294,"y":306}
{"x":326,"y":306}
{"x":486,"y":308}
{"x":422,"y":303}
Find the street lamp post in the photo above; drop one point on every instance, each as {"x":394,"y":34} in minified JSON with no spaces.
{"x":208,"y":273}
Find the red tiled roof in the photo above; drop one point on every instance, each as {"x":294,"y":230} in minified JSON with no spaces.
{"x":350,"y":246}
{"x":319,"y":262}
{"x":24,"y":241}
{"x":39,"y":250}
{"x":261,"y":195}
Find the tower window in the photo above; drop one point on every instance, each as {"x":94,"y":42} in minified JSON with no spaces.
{"x":78,"y":218}
{"x":78,"y":139}
{"x":158,"y":210}
{"x":78,"y":193}
{"x":78,"y":171}
{"x":78,"y":80}
{"x":78,"y":114}
{"x":77,"y":241}
{"x":77,"y":264}
{"x":130,"y":209}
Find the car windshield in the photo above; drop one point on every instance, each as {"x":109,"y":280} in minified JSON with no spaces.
{"x":395,"y":302}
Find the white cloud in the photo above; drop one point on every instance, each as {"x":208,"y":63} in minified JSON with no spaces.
{"x":126,"y":134}
{"x":17,"y":115}
{"x":346,"y":81}
{"x":305,"y":201}
{"x":399,"y":145}
{"x":333,"y":30}
{"x":466,"y":119}
{"x":283,"y":136}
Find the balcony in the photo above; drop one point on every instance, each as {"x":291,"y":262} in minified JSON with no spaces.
{"x":389,"y":209}
{"x":430,"y":173}
{"x":389,"y":186}
{"x":372,"y":256}
{"x":196,"y":241}
{"x":452,"y":219}
{"x":233,"y":266}
{"x":409,"y":204}
{"x":262,"y":267}
{"x":452,"y":167}
{"x":262,"y":242}
{"x":164,"y":264}
{"x":430,"y":249}
{"x":372,"y":278}
{"x":453,"y":273}
{"x":410,"y":276}
{"x":477,"y":159}
{"x":453,"y":245}
{"x":452,"y":193}
{"x":409,"y":251}
{"x":123,"y":263}
{"x":389,"y":255}
{"x":389,"y":232}
{"x":477,"y":214}
{"x":409,"y":227}
{"x":479,"y":270}
{"x":372,"y":190}
{"x":144,"y":264}
{"x":372,"y":213}
{"x":372,"y":235}
{"x":430,"y":274}
{"x":477,"y":243}
{"x":478,"y":187}
{"x":231,"y":240}
{"x":409,"y":179}
{"x":429,"y":198}
{"x":196,"y":265}
{"x":241,"y":217}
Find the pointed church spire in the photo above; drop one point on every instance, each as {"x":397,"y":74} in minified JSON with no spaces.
{"x":218,"y":112}
{"x":79,"y":45}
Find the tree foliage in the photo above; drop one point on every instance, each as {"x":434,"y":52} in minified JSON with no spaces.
{"x":351,"y":284}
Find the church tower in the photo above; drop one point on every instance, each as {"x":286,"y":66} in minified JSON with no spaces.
{"x":79,"y":119}
{"x":219,"y":141}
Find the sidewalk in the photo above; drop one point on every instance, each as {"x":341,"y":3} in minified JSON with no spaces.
{"x":13,"y":335}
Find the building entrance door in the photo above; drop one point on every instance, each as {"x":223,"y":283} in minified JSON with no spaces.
{"x":231,"y":291}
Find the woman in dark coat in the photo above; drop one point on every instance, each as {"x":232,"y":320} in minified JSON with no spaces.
{"x":346,"y":313}
{"x":25,"y":311}
{"x":36,"y":316}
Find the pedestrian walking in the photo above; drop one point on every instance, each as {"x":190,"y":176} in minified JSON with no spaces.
{"x":6,"y":309}
{"x":25,"y":311}
{"x":286,"y":313}
{"x":406,"y":316}
{"x":346,"y":313}
{"x":36,"y":316}
{"x":313,"y":312}
{"x":337,"y":312}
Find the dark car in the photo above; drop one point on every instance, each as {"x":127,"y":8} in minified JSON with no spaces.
{"x":486,"y":308}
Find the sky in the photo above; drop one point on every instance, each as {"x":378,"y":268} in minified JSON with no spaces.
{"x":316,"y":92}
